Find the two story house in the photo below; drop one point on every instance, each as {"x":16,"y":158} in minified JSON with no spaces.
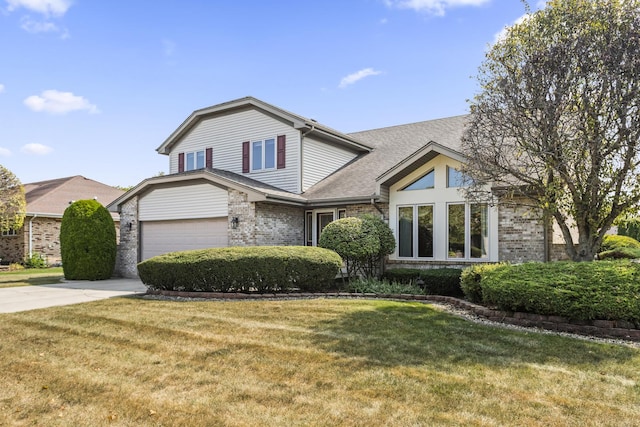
{"x":246,"y":172}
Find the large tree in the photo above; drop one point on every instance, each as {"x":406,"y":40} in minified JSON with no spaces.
{"x":12,"y":201}
{"x":557,"y":117}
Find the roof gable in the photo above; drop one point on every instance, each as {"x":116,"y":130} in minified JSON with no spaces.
{"x":303,"y":124}
{"x":51,"y":197}
{"x":397,"y":149}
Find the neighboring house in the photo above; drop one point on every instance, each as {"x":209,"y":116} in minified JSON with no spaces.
{"x":46,"y":202}
{"x":248,"y":173}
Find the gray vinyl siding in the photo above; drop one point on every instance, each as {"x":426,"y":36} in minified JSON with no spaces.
{"x":321,"y":159}
{"x":184,"y":202}
{"x":225,"y":135}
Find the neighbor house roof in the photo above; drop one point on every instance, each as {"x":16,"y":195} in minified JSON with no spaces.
{"x":396,"y":150}
{"x":304,"y":124}
{"x":50,"y":198}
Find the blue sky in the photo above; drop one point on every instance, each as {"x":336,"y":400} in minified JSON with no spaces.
{"x":92,"y":87}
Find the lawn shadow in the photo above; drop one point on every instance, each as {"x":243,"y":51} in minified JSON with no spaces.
{"x":396,"y":333}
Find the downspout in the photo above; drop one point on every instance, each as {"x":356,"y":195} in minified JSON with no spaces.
{"x":31,"y":235}
{"x":302,"y":135}
{"x":375,"y":205}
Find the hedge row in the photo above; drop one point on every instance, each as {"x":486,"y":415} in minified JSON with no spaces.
{"x":605,"y":290}
{"x":435,"y":281}
{"x":243,"y":269}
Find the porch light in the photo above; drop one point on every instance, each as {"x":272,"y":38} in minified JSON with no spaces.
{"x":234,"y":222}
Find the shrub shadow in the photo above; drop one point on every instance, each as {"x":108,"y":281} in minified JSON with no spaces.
{"x":395,"y":333}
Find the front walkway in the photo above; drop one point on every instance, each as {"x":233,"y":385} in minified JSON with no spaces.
{"x":23,"y":298}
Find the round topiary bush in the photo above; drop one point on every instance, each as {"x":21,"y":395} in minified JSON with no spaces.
{"x":362,"y":242}
{"x":87,"y":241}
{"x":242,"y":269}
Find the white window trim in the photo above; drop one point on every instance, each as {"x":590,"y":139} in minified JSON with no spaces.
{"x":467,"y":233}
{"x":9,"y":233}
{"x":195,"y":160}
{"x":414,"y":230}
{"x":264,"y":154}
{"x":314,"y":219}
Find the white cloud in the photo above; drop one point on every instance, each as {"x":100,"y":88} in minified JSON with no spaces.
{"x":56,"y":102}
{"x":44,"y":7}
{"x":503,"y":33}
{"x":358,"y":75}
{"x":541,"y":4}
{"x":37,"y":149}
{"x":31,"y":26}
{"x":434,"y":7}
{"x":1,"y":88}
{"x":4,"y":152}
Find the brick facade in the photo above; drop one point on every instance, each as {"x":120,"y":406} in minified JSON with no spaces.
{"x":127,"y":259}
{"x":13,"y":248}
{"x":522,"y":233}
{"x":45,"y":240}
{"x":279,"y":225}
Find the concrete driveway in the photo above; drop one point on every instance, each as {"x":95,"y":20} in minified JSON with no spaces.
{"x":23,"y":298}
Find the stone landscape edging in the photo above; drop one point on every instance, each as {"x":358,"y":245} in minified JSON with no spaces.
{"x":618,"y":329}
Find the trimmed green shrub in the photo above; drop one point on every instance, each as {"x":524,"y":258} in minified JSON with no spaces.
{"x":375,"y":286}
{"x":36,"y":260}
{"x":434,"y":281}
{"x":619,"y":247}
{"x":243,"y":269}
{"x":361,"y":242}
{"x":87,"y":241}
{"x":612,"y":241}
{"x":470,"y":280}
{"x":620,"y":253}
{"x":607,"y":290}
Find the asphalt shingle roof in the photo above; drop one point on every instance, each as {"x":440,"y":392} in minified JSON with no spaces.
{"x":391,"y":145}
{"x":53,"y":196}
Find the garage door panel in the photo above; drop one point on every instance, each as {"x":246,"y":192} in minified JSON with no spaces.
{"x":159,"y":237}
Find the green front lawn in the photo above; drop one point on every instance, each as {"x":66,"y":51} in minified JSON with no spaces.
{"x":31,"y":277}
{"x":323,"y":362}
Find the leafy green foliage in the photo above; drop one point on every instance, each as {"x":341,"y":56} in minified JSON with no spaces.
{"x":36,"y":260}
{"x":13,"y":204}
{"x":608,"y":290}
{"x":361,"y":242}
{"x":629,"y":227}
{"x":619,"y":247}
{"x":433,"y":281}
{"x":383,"y":287}
{"x":558,"y":115}
{"x":470,"y":280}
{"x":610,"y":242}
{"x":242,"y":269}
{"x":87,"y":241}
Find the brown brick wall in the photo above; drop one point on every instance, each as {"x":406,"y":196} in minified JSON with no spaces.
{"x":279,"y":225}
{"x":521,"y":233}
{"x":12,"y":248}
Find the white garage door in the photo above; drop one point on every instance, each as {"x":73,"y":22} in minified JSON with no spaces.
{"x":159,"y":237}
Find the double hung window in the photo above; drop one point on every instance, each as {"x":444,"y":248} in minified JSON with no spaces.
{"x":195,"y":160}
{"x":263,"y":154}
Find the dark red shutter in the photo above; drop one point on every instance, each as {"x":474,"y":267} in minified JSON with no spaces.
{"x":209,"y":158}
{"x":180,"y":162}
{"x":282,"y":142}
{"x":245,"y":157}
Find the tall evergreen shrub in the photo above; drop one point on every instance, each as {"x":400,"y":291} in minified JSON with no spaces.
{"x":87,"y":241}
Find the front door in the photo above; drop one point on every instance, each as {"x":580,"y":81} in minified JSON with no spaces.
{"x":322,"y":220}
